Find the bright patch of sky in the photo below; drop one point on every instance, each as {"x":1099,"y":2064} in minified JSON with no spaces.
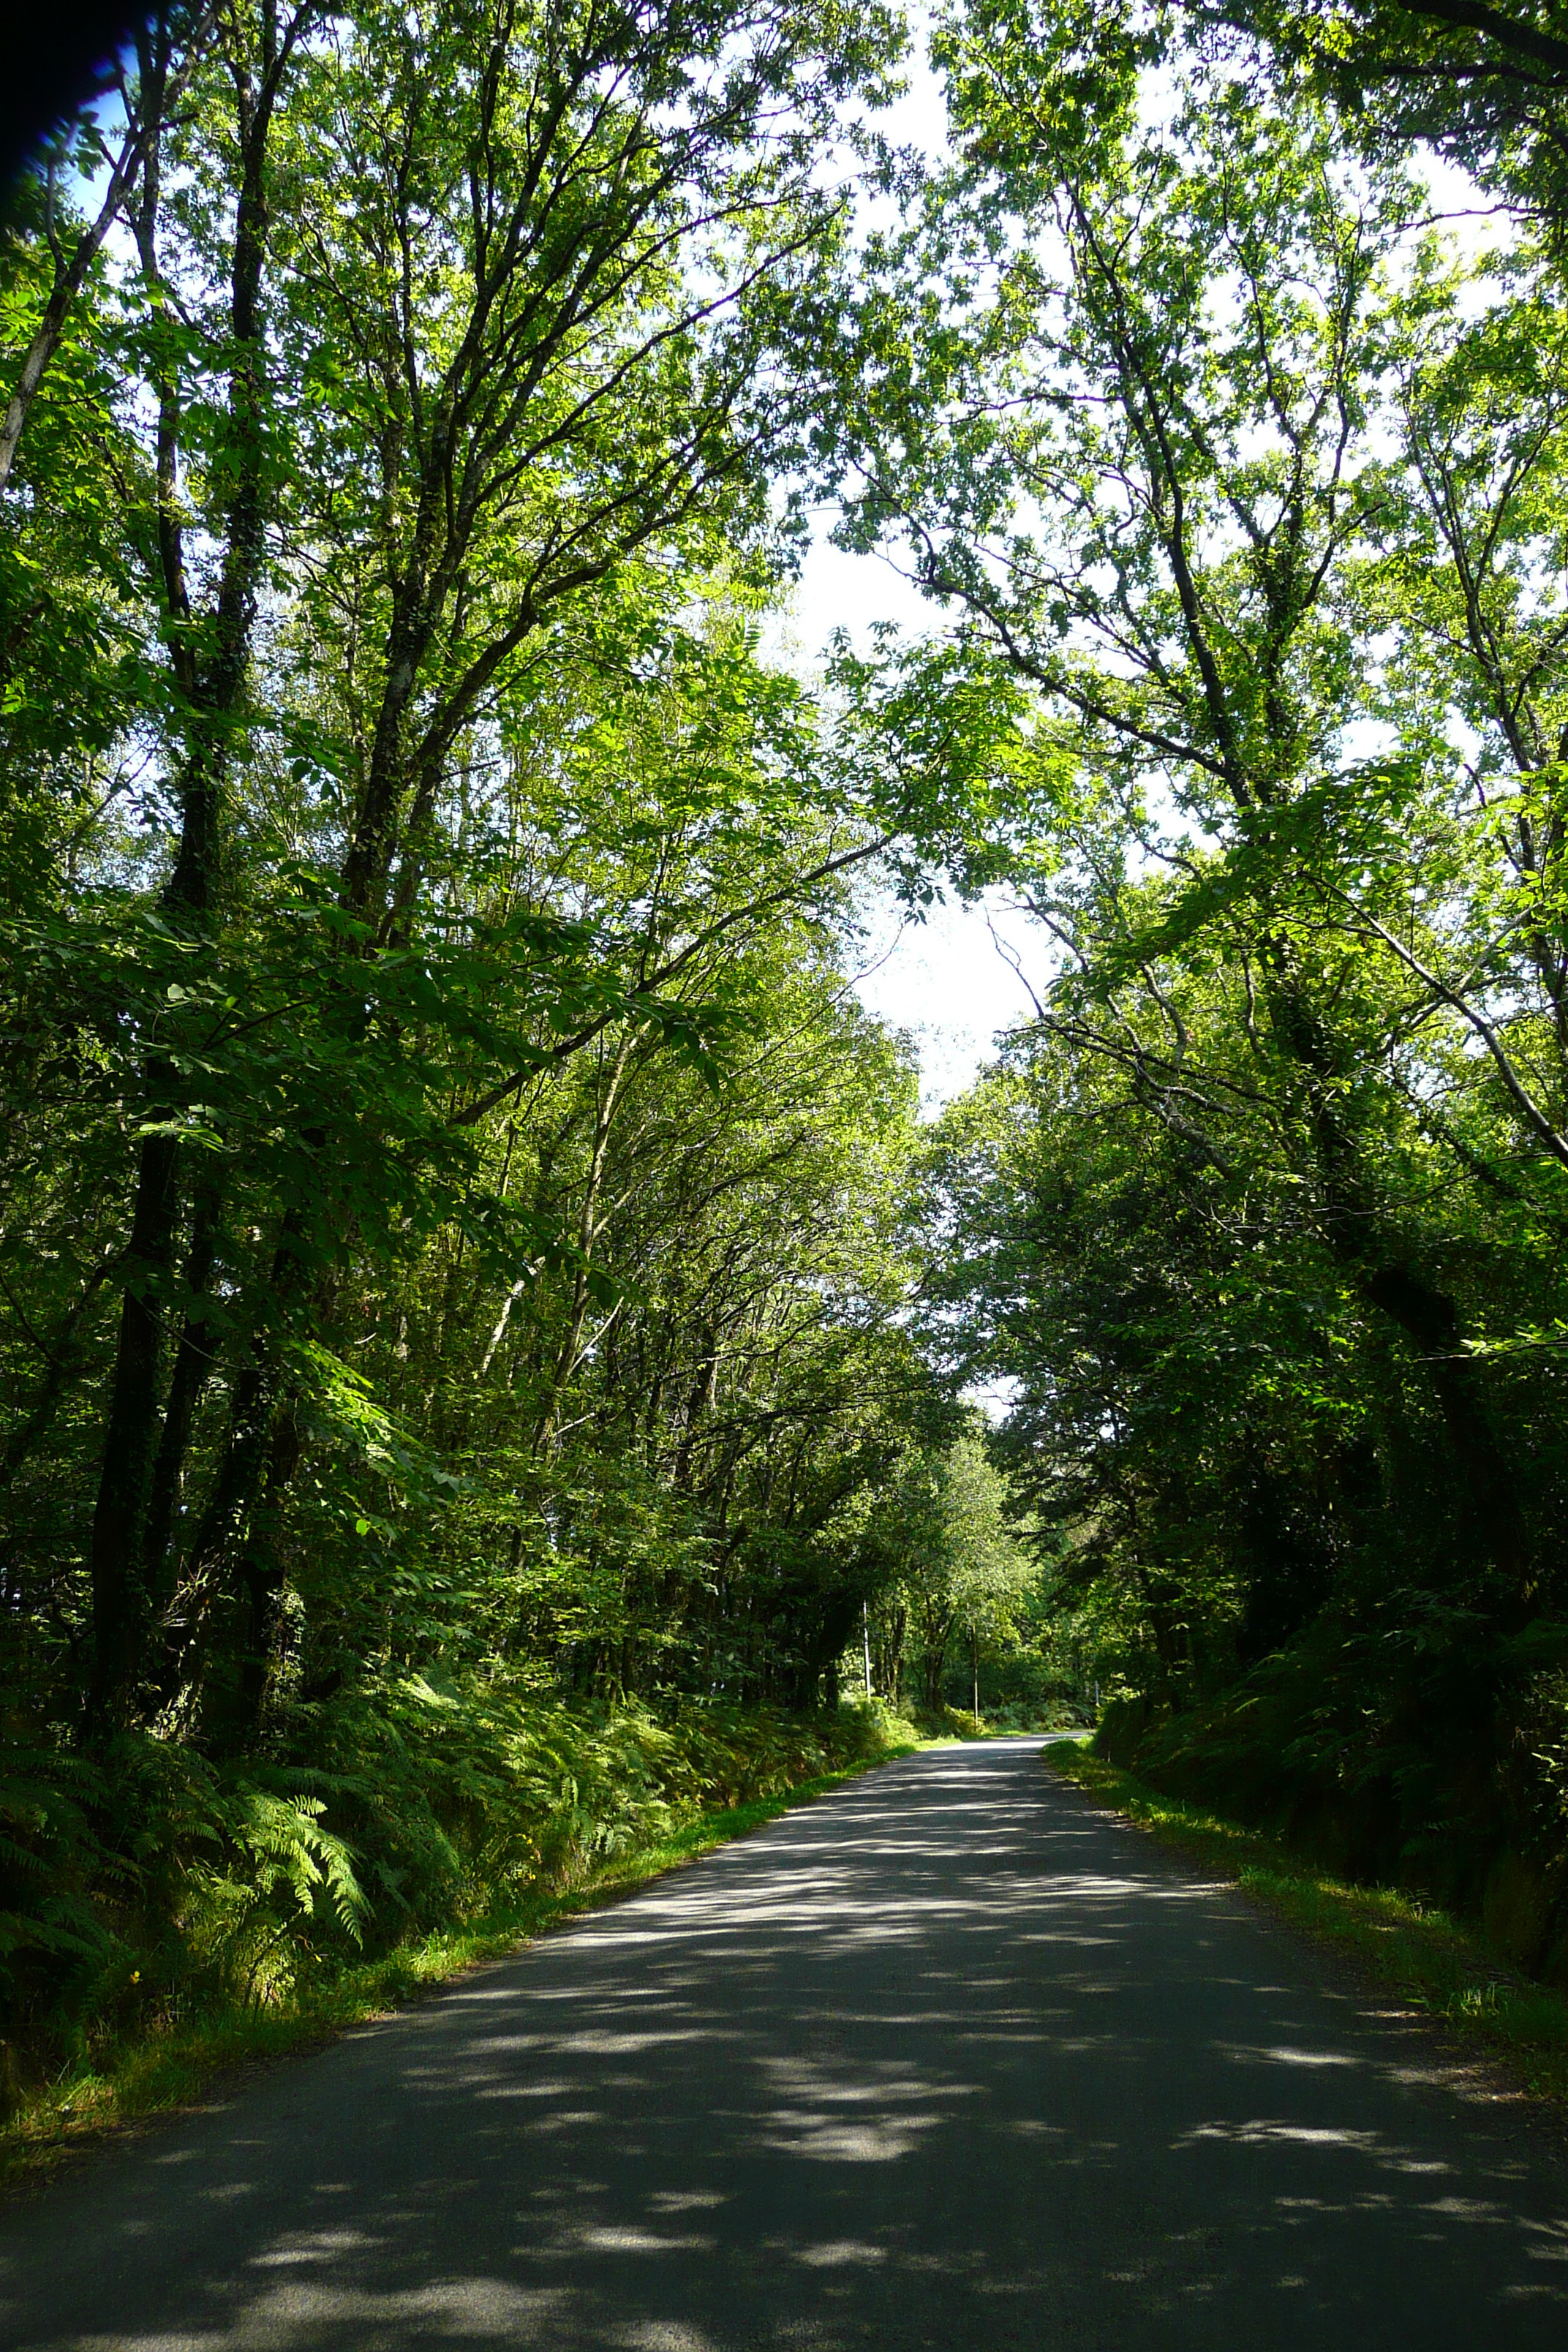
{"x":951,"y":979}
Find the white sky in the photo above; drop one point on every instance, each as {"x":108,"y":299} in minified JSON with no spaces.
{"x":945,"y":980}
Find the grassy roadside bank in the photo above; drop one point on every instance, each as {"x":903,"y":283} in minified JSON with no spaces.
{"x":1432,"y":1961}
{"x":154,"y":2073}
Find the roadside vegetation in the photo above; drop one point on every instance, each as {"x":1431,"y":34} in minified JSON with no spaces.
{"x":459,"y":1407}
{"x":1249,"y":462}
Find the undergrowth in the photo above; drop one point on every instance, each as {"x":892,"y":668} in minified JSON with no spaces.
{"x":162,"y":1917}
{"x":1435,"y":1963}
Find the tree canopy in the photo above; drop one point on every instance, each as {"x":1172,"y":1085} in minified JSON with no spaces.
{"x":1249,"y":472}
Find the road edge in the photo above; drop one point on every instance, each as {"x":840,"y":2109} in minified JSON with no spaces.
{"x":1489,"y":2015}
{"x":164,"y":2076}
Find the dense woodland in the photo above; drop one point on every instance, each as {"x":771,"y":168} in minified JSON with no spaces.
{"x":488,"y":1344}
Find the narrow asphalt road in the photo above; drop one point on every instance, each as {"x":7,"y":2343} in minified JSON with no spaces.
{"x":947,"y":2059}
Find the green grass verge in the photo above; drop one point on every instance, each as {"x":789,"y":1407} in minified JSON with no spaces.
{"x":1435,"y":1963}
{"x":157,"y":2072}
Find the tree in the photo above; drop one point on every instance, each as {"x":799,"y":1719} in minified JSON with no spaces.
{"x":1157,"y":501}
{"x":546,"y":338}
{"x":1484,"y":85}
{"x":1226,"y":457}
{"x":945,"y":1557}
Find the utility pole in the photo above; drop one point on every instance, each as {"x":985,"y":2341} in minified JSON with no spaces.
{"x":865,"y":1640}
{"x":974,"y":1661}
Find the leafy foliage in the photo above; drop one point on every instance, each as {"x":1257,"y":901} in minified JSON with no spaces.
{"x":1252,"y":484}
{"x":156,"y":1890}
{"x":453,"y":1305}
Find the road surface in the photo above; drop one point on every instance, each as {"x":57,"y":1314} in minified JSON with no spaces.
{"x":949,"y":2059}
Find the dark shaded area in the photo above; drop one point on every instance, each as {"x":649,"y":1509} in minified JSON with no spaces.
{"x":1446,"y":1798}
{"x":949,"y":2059}
{"x":54,"y":61}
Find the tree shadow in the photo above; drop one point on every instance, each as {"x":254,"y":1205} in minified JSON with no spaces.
{"x":947,"y":2059}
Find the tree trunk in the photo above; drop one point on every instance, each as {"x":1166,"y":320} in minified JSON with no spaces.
{"x":1356,"y":1228}
{"x":119,"y":1599}
{"x":192,"y":1368}
{"x":136,"y":1463}
{"x":262,"y":1575}
{"x":935,"y":1666}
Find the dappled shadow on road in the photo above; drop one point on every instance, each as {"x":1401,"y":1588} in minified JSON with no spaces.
{"x":947,"y":2060}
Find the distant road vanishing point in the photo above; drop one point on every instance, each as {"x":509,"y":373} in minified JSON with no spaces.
{"x":947,"y":2059}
